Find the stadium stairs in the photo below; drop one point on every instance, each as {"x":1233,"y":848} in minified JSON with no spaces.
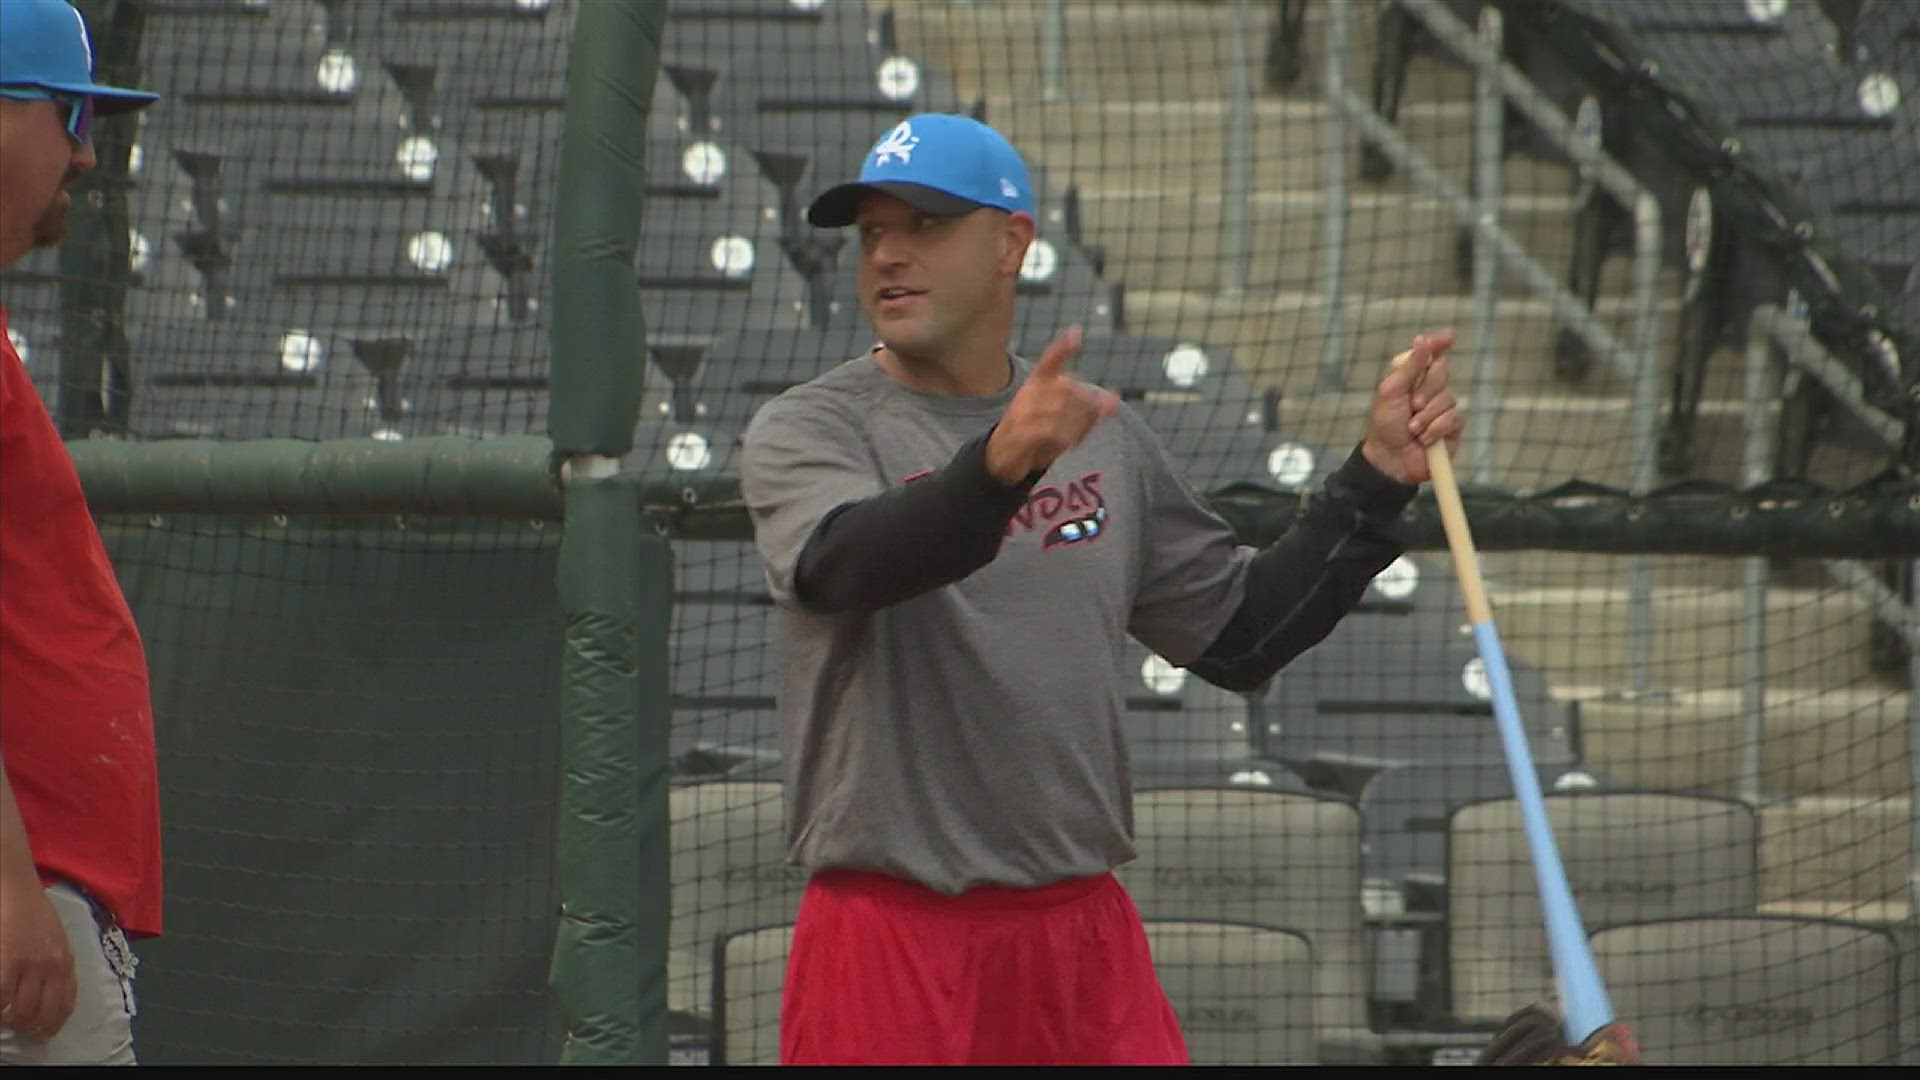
{"x":1147,"y":159}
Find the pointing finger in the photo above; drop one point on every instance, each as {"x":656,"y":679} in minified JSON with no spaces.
{"x":1063,"y":348}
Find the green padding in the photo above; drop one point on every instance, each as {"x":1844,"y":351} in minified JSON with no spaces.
{"x":616,"y":582}
{"x":508,"y":477}
{"x":359,"y":747}
{"x":599,"y":341}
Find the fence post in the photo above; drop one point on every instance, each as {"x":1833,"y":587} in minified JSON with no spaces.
{"x":1489,"y":153}
{"x":1333,"y":238}
{"x":1236,"y":208}
{"x":1756,"y":469}
{"x":1913,"y":752}
{"x":615,"y":573}
{"x":1053,"y":50}
{"x":616,"y":590}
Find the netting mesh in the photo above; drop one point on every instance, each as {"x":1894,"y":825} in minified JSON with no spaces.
{"x":338,"y":226}
{"x":360,"y":777}
{"x":1190,"y":234}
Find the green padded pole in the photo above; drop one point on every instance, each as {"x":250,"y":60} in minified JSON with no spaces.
{"x":598,"y":338}
{"x":609,"y":963}
{"x":615,"y":574}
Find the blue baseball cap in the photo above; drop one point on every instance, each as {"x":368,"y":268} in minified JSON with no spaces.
{"x":936,"y":162}
{"x":44,"y":45}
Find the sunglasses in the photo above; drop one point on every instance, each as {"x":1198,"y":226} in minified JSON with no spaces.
{"x":76,"y":110}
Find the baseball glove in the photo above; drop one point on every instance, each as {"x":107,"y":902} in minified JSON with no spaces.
{"x":1535,"y":1036}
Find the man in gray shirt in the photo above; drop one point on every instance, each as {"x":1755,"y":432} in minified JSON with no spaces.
{"x":961,"y":540}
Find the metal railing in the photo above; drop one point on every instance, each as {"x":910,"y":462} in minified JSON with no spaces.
{"x":1772,"y":329}
{"x":1499,"y":84}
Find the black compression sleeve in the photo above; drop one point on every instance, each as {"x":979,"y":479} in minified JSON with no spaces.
{"x":1304,"y":583}
{"x":909,"y":540}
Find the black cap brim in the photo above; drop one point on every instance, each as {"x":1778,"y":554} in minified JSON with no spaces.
{"x":836,"y":206}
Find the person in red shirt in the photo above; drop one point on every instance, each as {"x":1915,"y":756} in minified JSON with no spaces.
{"x":79,"y":793}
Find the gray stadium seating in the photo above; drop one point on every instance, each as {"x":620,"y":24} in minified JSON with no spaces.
{"x":1244,"y":994}
{"x":1267,"y":858}
{"x":1756,"y":990}
{"x":1183,"y":733}
{"x":729,"y":874}
{"x":1343,"y":716}
{"x":1629,"y":856}
{"x":749,"y":974}
{"x":1406,"y":808}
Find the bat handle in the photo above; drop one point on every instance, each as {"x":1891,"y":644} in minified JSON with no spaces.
{"x":1583,"y":997}
{"x":1453,"y":518}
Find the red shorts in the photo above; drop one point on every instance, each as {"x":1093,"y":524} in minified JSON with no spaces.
{"x":888,"y":972}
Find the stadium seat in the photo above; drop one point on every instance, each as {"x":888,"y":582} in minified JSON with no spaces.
{"x":1265,"y":858}
{"x":1405,"y":810}
{"x":813,"y":22}
{"x":1183,"y":733}
{"x":491,"y":56}
{"x":726,"y":668}
{"x":703,"y":268}
{"x":1756,"y":990}
{"x":1244,"y":994}
{"x":1782,"y":95}
{"x":428,"y":248}
{"x":1630,"y":856}
{"x":1194,"y":397}
{"x":729,"y":873}
{"x":1353,"y":706}
{"x":831,"y":101}
{"x":713,"y":386}
{"x":750,"y":971}
{"x":1400,"y":38}
{"x":283,"y":52}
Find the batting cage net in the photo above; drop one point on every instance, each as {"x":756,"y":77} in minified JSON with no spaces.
{"x":1679,"y":241}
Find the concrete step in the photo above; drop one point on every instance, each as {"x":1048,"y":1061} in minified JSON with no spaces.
{"x":1539,"y":439}
{"x":1836,"y":848}
{"x":1113,"y":48}
{"x":1849,"y":742}
{"x":1126,"y":49}
{"x":1276,"y":338}
{"x":1532,"y":569}
{"x":1429,"y":77}
{"x":1816,"y":639}
{"x":1397,"y":244}
{"x":1121,"y":145}
{"x":1892,"y":914}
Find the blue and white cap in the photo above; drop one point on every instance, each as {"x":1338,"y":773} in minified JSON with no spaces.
{"x":44,"y":46}
{"x":937,"y":162}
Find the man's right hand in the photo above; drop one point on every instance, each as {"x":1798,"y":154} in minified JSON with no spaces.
{"x":37,"y":983}
{"x":1050,"y":414}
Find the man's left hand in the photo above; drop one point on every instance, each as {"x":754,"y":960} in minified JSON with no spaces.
{"x":1413,"y":408}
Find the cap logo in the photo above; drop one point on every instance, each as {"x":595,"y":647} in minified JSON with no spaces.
{"x":900,"y":142}
{"x":1007,"y":188}
{"x":84,"y":43}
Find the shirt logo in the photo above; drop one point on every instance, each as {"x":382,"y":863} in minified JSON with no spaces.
{"x":1066,"y":516}
{"x":900,"y":143}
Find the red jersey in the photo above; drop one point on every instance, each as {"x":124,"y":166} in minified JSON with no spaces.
{"x":76,"y":718}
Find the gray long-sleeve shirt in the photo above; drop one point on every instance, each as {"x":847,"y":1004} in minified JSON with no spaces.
{"x":971,"y":733}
